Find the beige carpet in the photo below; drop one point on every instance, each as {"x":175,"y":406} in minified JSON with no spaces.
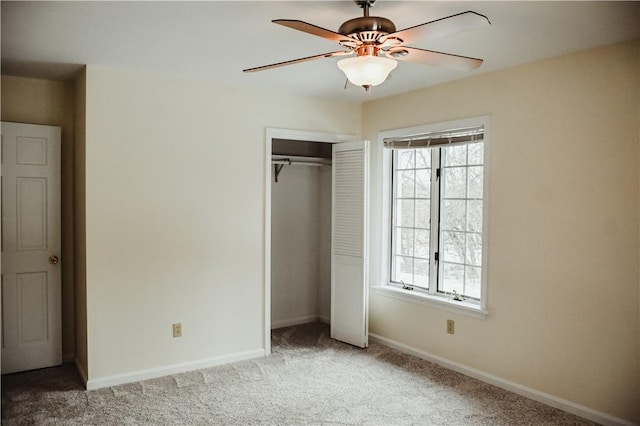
{"x":309,"y":379}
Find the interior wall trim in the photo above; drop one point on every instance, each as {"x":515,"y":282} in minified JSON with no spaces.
{"x":81,"y":372}
{"x":294,"y":321}
{"x":545,"y":398}
{"x":152,"y":373}
{"x":298,"y":321}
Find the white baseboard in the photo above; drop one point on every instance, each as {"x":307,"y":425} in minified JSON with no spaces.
{"x":153,"y":373}
{"x":294,"y":321}
{"x":545,"y":398}
{"x":83,"y":374}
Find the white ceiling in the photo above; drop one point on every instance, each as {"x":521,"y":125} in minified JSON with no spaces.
{"x":215,"y":40}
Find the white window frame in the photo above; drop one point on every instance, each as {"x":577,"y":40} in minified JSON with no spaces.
{"x":433,"y":299}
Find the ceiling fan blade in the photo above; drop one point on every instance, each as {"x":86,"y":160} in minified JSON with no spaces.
{"x":436,"y":59}
{"x":317,"y":31}
{"x":299,"y":60}
{"x":440,"y":27}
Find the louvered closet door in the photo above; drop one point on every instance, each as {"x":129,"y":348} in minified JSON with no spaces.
{"x":349,"y":247}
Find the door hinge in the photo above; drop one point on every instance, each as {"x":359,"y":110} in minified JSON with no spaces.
{"x":436,"y":256}
{"x":438,"y":173}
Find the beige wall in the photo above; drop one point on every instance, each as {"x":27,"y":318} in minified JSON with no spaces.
{"x":175,"y":185}
{"x":51,"y":103}
{"x":563,"y":282}
{"x":79,"y":226}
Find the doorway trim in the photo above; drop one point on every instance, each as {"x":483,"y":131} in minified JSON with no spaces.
{"x":297,"y":135}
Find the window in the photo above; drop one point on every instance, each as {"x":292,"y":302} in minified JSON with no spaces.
{"x":436,"y":209}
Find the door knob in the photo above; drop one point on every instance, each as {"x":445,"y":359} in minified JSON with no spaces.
{"x":53,"y":259}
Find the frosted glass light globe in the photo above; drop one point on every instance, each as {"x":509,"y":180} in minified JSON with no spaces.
{"x":367,"y":70}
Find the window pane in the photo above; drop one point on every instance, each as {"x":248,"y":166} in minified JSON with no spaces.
{"x":460,"y":217}
{"x":453,"y":278}
{"x":455,"y":156}
{"x":405,"y":158}
{"x":453,"y":246}
{"x":422,"y":244}
{"x":474,"y":216}
{"x":404,"y":213}
{"x":475,"y":182}
{"x":474,"y":249}
{"x":423,"y":213}
{"x":455,"y":182}
{"x":404,"y":241}
{"x":453,"y":215}
{"x":405,"y":184}
{"x":423,"y":183}
{"x":404,"y":269}
{"x":473,"y":282}
{"x":476,"y":153}
{"x":423,"y":158}
{"x":421,"y":273}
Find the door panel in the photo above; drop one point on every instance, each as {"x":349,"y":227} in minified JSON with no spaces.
{"x":32,"y":311}
{"x":31,"y":294}
{"x":31,"y":211}
{"x":349,"y":247}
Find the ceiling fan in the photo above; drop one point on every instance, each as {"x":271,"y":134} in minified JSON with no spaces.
{"x":377,"y":44}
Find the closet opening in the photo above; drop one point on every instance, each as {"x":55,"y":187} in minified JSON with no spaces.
{"x":298,"y":228}
{"x":300,"y":232}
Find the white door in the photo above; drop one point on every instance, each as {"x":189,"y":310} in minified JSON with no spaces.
{"x":31,"y":299}
{"x":349,"y":243}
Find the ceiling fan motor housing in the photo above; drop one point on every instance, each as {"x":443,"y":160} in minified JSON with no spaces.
{"x":367,"y":28}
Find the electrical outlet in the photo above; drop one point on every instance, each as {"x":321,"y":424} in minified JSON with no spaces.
{"x":177,"y":329}
{"x":451,"y":326}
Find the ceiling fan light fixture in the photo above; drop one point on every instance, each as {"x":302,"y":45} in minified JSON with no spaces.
{"x":367,"y":70}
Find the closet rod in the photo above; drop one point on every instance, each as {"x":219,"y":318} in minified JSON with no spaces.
{"x":299,"y":159}
{"x":298,"y":163}
{"x":280,"y":161}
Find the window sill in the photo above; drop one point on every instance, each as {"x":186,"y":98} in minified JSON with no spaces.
{"x":464,"y":308}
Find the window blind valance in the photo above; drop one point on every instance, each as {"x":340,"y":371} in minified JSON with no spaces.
{"x":448,"y":137}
